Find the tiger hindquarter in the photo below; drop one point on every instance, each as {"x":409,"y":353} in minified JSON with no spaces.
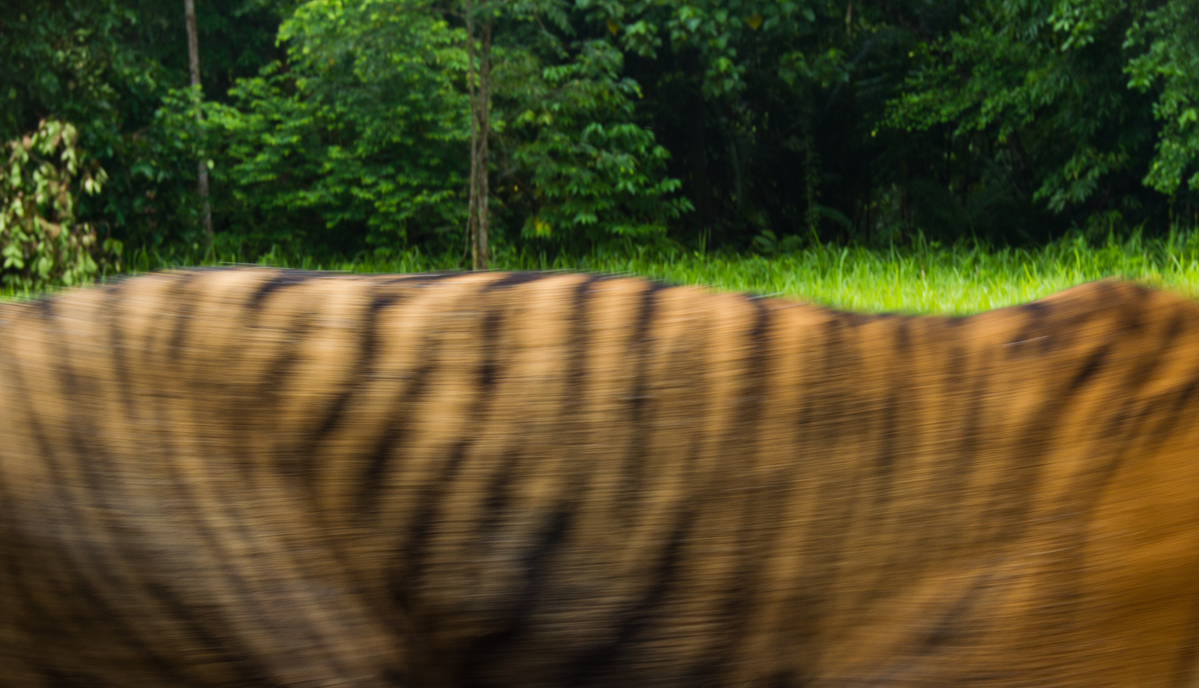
{"x":251,"y":477}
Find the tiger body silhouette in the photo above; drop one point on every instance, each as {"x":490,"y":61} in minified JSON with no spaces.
{"x":251,"y":477}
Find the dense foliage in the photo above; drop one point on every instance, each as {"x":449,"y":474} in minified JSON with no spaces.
{"x":41,"y":240}
{"x":342,"y":127}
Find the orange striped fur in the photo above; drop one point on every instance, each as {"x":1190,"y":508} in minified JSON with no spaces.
{"x":250,"y":477}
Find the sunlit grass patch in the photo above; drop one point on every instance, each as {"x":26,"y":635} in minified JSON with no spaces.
{"x":954,"y":280}
{"x":924,"y":278}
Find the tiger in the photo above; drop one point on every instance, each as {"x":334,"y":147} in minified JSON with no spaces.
{"x":253,"y":477}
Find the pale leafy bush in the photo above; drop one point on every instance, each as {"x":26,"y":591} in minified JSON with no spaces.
{"x":42,"y":242}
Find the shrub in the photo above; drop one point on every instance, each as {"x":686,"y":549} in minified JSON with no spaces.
{"x":42,"y":242}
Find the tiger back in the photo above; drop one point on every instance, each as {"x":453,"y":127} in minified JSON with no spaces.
{"x":252,"y":477}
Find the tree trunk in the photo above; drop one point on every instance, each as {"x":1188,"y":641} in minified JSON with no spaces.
{"x":193,"y":63}
{"x":695,"y":161}
{"x":811,"y":178}
{"x":484,"y":152}
{"x":479,"y":88}
{"x":697,"y":164}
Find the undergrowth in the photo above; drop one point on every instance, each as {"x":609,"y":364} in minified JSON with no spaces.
{"x":923,"y":278}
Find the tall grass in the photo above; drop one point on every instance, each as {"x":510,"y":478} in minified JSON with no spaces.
{"x":924,"y":278}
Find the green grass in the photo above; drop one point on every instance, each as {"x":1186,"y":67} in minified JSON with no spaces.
{"x":958,"y":279}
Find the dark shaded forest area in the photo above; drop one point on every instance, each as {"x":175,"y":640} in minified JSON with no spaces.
{"x":343,"y":127}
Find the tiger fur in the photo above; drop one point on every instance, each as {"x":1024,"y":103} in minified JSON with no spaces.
{"x":250,"y":477}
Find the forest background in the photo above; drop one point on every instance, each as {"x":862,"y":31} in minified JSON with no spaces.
{"x":342,"y":129}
